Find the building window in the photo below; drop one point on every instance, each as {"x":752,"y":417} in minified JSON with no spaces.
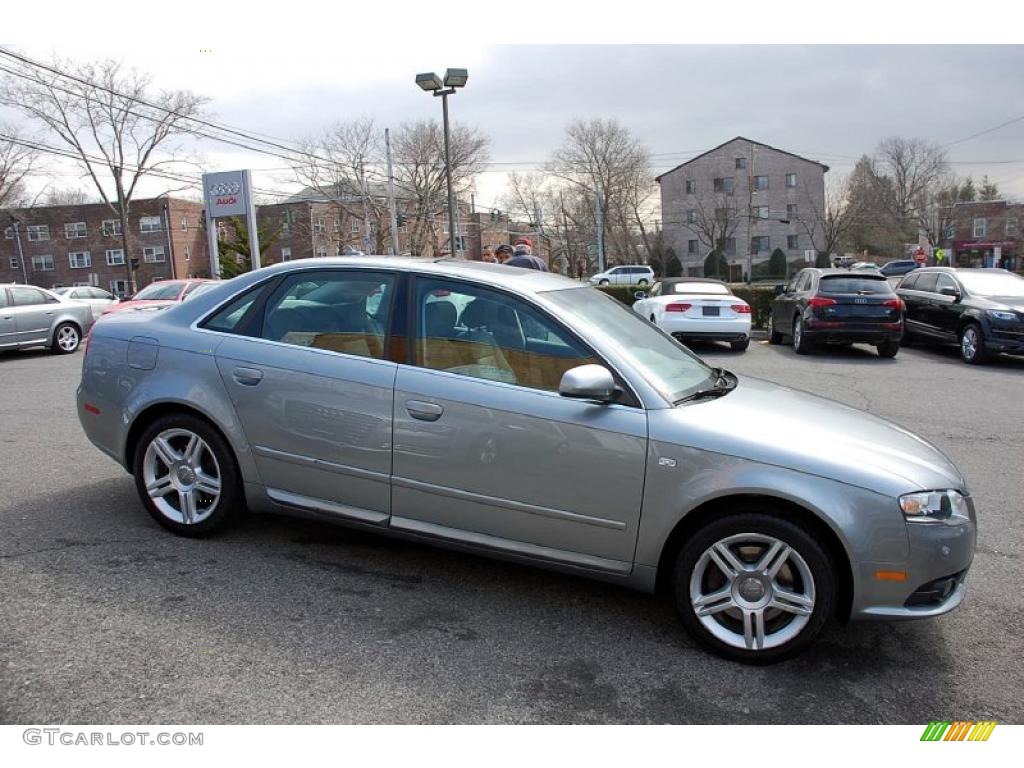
{"x":42,"y":263}
{"x":9,"y":233}
{"x":691,"y":246}
{"x":722,"y":214}
{"x":321,"y":252}
{"x":726,"y":186}
{"x":115,"y":257}
{"x":286,"y":227}
{"x":188,"y":253}
{"x":15,"y":264}
{"x":80,"y":259}
{"x":760,"y":211}
{"x":319,"y":226}
{"x":111,"y":227}
{"x":728,"y":246}
{"x":691,"y":187}
{"x":1011,"y":226}
{"x":791,"y":211}
{"x":741,"y":163}
{"x":691,"y":216}
{"x":150,"y":224}
{"x":460,"y":243}
{"x":793,"y":242}
{"x":286,"y":254}
{"x":760,"y":183}
{"x":119,"y":288}
{"x":75,"y":230}
{"x":337,"y":225}
{"x":758,"y":244}
{"x":184,"y":223}
{"x":354,"y":228}
{"x":38,"y":232}
{"x":153,"y":255}
{"x":980,"y":228}
{"x":790,"y":180}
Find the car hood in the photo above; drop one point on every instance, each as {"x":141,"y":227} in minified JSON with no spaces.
{"x":768,"y":423}
{"x":1015,"y":303}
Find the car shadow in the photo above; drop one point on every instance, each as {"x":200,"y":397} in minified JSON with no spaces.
{"x":857,"y":354}
{"x":948,"y":353}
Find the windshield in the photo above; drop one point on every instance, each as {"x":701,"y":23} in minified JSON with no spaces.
{"x":666,"y":365}
{"x":992,"y":283}
{"x":715,"y":288}
{"x":158,"y":291}
{"x":201,"y":288}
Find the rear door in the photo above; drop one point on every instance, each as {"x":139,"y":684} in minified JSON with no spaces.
{"x":863,"y":302}
{"x":313,"y":389}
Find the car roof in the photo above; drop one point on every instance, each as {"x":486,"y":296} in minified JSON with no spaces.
{"x":690,"y":280}
{"x":498,"y":275}
{"x":858,"y":273}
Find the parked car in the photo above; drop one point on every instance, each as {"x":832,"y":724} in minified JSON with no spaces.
{"x":864,"y":266}
{"x":162,"y":292}
{"x":981,"y":310}
{"x":696,"y":309}
{"x":636,"y":274}
{"x":837,"y":306}
{"x":97,"y":298}
{"x":36,"y":317}
{"x":900,"y":267}
{"x":522,"y":415}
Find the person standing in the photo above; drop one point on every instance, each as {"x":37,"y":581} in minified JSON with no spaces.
{"x":523,"y":256}
{"x":503,"y":253}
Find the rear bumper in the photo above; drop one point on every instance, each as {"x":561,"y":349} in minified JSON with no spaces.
{"x":826,"y":332}
{"x":712,"y":335}
{"x":709,"y":328}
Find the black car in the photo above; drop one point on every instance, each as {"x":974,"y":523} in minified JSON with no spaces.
{"x":901,"y":267}
{"x":837,"y":306}
{"x":981,"y":310}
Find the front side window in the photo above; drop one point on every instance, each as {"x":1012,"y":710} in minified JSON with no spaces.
{"x":477,"y":332}
{"x":25,"y":296}
{"x":944,"y":281}
{"x":38,"y":232}
{"x":331,"y":310}
{"x":75,"y":230}
{"x":80,"y":259}
{"x":150,"y":224}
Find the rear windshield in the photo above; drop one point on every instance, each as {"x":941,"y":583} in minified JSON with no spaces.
{"x":158,"y":291}
{"x":847,"y":284}
{"x":699,"y":288}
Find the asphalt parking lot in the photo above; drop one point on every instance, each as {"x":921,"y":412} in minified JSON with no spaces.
{"x":105,"y":617}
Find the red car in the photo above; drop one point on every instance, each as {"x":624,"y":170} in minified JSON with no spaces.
{"x":158,"y":294}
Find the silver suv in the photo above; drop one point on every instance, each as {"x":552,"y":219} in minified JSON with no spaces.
{"x":523,"y":415}
{"x":35,"y":317}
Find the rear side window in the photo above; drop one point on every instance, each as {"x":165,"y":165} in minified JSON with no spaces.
{"x":846,"y":284}
{"x":229,"y":318}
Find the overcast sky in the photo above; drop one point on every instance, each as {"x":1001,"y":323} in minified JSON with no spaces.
{"x":829,"y":103}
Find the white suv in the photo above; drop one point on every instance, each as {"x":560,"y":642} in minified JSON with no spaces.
{"x":635,"y":274}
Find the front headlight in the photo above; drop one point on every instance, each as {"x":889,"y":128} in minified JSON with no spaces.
{"x":949,"y":507}
{"x":998,"y":314}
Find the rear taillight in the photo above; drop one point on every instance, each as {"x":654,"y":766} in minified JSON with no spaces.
{"x":820,"y":301}
{"x":896,"y":303}
{"x":678,"y":307}
{"x":743,"y":309}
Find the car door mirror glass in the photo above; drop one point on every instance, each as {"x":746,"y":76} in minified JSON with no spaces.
{"x":588,"y":382}
{"x":949,"y":290}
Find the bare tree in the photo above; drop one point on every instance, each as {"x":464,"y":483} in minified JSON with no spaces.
{"x":17,"y":162}
{"x":828,"y":227}
{"x":102,"y":117}
{"x":716,"y":223}
{"x":418,"y":158}
{"x":989,"y":190}
{"x":911,"y":167}
{"x":67,"y":196}
{"x":937,"y":208}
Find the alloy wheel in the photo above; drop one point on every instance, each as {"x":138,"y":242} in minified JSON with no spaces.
{"x":752,"y":591}
{"x":67,"y":338}
{"x":969,"y":344}
{"x":181,"y":476}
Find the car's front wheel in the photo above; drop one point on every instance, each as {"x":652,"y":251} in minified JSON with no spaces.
{"x":186,"y":476}
{"x":754,"y":587}
{"x":66,"y":338}
{"x":972,"y":345}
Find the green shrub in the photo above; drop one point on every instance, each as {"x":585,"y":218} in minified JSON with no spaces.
{"x":759,"y":297}
{"x":715,"y":265}
{"x":624,"y":293}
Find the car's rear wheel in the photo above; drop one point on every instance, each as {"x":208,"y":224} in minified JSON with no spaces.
{"x":602,"y":282}
{"x":754,"y":587}
{"x":66,"y":338}
{"x":186,"y":476}
{"x":888,"y":348}
{"x":972,"y":345}
{"x":774,"y":337}
{"x":801,"y":345}
{"x":740,"y":346}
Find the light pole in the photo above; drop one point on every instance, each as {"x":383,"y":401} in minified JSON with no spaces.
{"x":15,"y":222}
{"x":453,"y":79}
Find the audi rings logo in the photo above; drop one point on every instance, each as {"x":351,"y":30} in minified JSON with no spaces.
{"x":221,"y":190}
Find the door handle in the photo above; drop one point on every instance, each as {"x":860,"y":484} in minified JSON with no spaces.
{"x":423,"y":411}
{"x":249,"y":377}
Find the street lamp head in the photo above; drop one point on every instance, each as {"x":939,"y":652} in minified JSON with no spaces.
{"x":428,"y":81}
{"x":456,"y":78}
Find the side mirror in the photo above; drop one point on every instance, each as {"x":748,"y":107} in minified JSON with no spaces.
{"x":950,"y":291}
{"x":640,"y":295}
{"x":780,"y":289}
{"x":588,"y":382}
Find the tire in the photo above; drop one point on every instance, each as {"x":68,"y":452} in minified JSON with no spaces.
{"x":972,"y":345}
{"x":165,"y":466}
{"x":602,"y":282}
{"x":888,"y":348}
{"x":789,"y":621}
{"x":774,"y":337}
{"x":800,"y":343}
{"x":642,"y":281}
{"x":740,"y":346}
{"x":67,"y":337}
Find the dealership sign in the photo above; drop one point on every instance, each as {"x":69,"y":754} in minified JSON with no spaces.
{"x":229,"y":193}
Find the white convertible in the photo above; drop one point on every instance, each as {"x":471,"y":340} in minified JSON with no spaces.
{"x":693,"y":308}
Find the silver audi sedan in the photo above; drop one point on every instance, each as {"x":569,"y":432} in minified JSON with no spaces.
{"x":519,"y":414}
{"x":35,"y":317}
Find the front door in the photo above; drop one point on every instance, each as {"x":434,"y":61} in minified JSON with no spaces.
{"x":8,"y":326}
{"x":33,"y":313}
{"x":314,"y":392}
{"x":486,"y":450}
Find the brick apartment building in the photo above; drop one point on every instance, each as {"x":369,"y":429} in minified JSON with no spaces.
{"x":81,"y":244}
{"x":984,"y":226}
{"x":769,"y":196}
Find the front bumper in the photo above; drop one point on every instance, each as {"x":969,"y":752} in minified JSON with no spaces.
{"x":1000,"y":339}
{"x":936,"y":567}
